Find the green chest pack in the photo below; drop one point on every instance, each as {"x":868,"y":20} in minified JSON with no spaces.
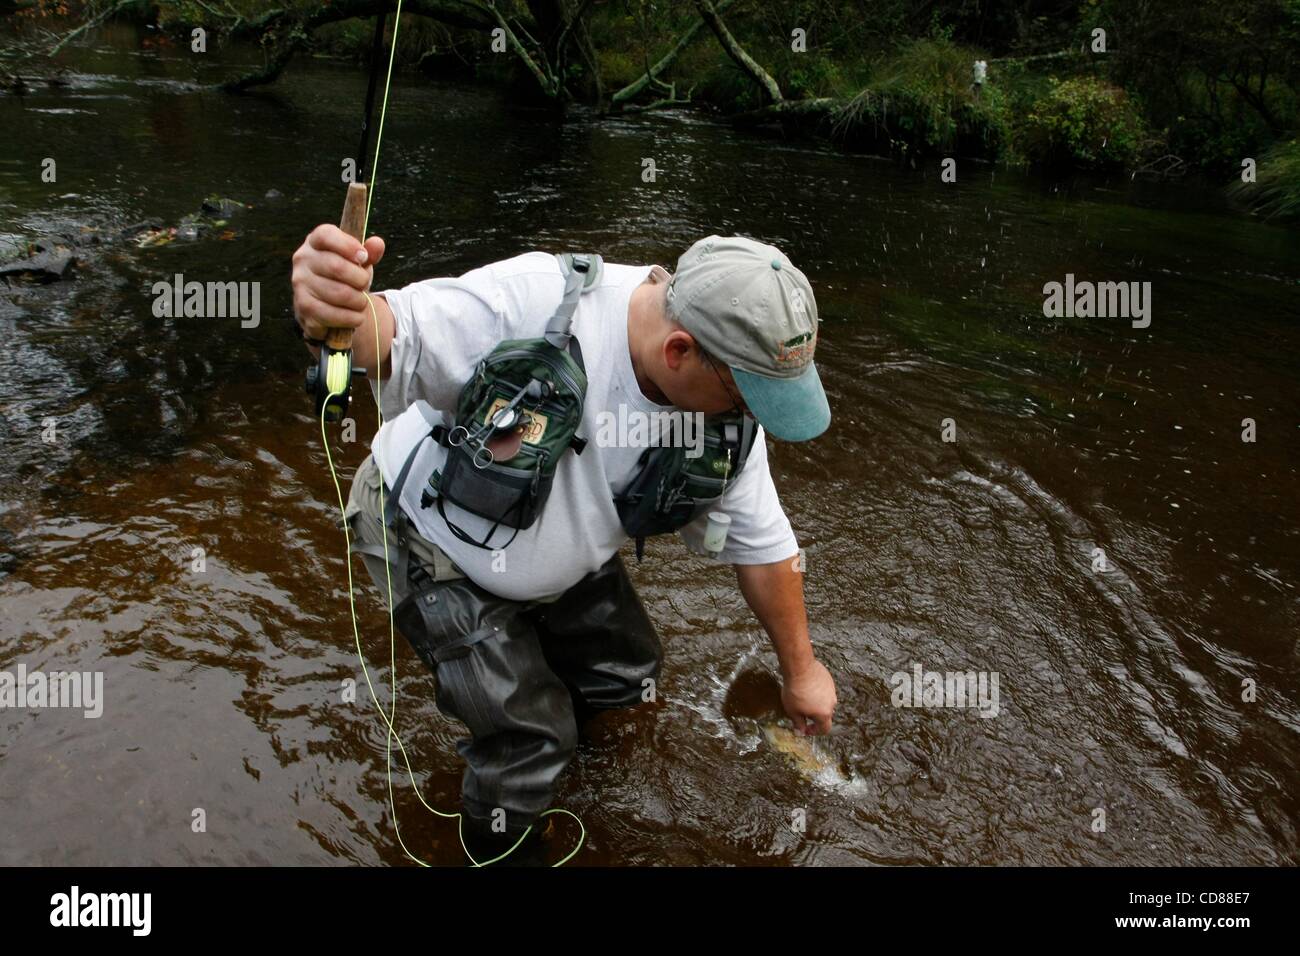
{"x":670,"y":488}
{"x":520,"y":412}
{"x":515,"y":418}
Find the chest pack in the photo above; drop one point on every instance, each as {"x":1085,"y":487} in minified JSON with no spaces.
{"x":520,"y":412}
{"x":670,"y":489}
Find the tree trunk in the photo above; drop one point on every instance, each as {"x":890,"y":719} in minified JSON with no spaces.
{"x":737,"y":52}
{"x":635,"y":88}
{"x":298,"y":26}
{"x":821,"y":107}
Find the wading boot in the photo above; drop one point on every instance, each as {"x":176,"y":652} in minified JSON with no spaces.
{"x":484,"y":845}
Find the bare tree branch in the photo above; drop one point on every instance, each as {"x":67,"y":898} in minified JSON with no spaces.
{"x":576,"y":18}
{"x":461,"y":13}
{"x":822,"y":106}
{"x":90,"y":24}
{"x":651,"y":75}
{"x":593,"y":60}
{"x":550,"y":84}
{"x":737,"y":52}
{"x":274,"y":67}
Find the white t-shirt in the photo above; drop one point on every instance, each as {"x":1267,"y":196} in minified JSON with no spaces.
{"x":444,"y":327}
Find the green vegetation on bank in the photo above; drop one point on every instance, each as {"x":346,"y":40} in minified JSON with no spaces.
{"x":1276,"y":194}
{"x":1153,"y":88}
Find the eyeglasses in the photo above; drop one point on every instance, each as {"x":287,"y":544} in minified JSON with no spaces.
{"x":737,"y":404}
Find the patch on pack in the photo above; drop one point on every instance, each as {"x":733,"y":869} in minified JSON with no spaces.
{"x":533,"y":423}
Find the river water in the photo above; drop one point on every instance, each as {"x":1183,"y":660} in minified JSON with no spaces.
{"x":1161,"y":691}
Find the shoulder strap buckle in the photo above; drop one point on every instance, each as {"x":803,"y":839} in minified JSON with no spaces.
{"x":581,"y":272}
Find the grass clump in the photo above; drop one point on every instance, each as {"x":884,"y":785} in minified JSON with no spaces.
{"x":1275,"y":194}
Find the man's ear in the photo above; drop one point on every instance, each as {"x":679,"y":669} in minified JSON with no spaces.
{"x":678,"y":347}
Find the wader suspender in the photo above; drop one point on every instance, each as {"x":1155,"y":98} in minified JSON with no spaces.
{"x":582,"y":272}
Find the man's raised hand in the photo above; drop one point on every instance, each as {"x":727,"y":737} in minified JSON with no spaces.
{"x":331,"y":273}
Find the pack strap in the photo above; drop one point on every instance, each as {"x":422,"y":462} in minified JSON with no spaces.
{"x":581,"y":272}
{"x":398,"y":556}
{"x":744,"y":445}
{"x":393,"y":503}
{"x":571,"y":260}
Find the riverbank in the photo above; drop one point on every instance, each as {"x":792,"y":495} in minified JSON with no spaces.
{"x":1073,"y":92}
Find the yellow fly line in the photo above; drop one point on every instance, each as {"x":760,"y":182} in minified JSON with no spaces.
{"x":337,"y":376}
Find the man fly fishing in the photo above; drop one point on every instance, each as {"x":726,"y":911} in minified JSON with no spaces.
{"x":506,"y":504}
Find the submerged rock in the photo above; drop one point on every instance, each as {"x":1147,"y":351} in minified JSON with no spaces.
{"x":222,"y":207}
{"x":44,"y":260}
{"x":51,"y":257}
{"x":149,"y":225}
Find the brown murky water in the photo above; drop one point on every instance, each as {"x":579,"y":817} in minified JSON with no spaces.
{"x":1120,"y":690}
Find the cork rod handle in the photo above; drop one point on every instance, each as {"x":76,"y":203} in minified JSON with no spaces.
{"x":353,"y":223}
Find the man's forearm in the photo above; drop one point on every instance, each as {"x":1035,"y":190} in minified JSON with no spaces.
{"x":774,"y":593}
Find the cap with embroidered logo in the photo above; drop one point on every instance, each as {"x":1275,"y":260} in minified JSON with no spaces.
{"x":748,"y":305}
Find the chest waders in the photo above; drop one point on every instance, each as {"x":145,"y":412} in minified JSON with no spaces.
{"x":518,"y":673}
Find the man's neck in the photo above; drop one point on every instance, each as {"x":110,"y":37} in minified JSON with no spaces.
{"x":641,"y":338}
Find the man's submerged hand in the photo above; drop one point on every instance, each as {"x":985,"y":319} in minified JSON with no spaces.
{"x":809,"y":699}
{"x":775,"y":593}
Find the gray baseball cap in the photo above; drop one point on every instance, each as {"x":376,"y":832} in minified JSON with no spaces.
{"x":746,"y":304}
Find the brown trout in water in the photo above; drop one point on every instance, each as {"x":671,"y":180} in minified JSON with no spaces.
{"x":802,"y":751}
